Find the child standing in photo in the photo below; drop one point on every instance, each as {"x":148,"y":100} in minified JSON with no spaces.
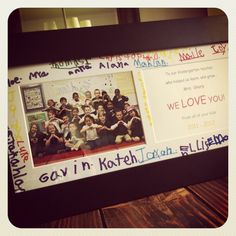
{"x":105,"y":132}
{"x":135,"y":125}
{"x":120,"y":128}
{"x":90,"y":131}
{"x":65,"y":108}
{"x":74,"y":139}
{"x":97,"y":100}
{"x":54,"y":140}
{"x":119,"y":100}
{"x":76,"y":102}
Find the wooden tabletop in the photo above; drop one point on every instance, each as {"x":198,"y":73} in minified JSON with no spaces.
{"x":203,"y":205}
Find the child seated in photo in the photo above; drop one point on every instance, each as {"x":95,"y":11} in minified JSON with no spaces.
{"x":74,"y":140}
{"x":135,"y":125}
{"x":65,"y":125}
{"x":99,"y":110}
{"x":75,"y":115}
{"x":54,"y":120}
{"x":88,"y":102}
{"x":54,"y":140}
{"x":105,"y":132}
{"x":37,"y":140}
{"x":51,"y":105}
{"x":97,"y":100}
{"x":76,"y":102}
{"x":125,"y":112}
{"x":87,"y":111}
{"x":119,"y":100}
{"x":65,"y":108}
{"x":88,"y":98}
{"x":90,"y":131}
{"x":110,"y":113}
{"x":120,"y":128}
{"x":105,"y":97}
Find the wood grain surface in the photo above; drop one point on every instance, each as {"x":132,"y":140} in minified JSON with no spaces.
{"x":203,"y":205}
{"x":86,"y":220}
{"x":214,"y":194}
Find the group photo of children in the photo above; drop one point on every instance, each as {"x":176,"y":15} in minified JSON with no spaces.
{"x":88,"y":120}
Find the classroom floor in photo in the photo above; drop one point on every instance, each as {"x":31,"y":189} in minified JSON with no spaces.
{"x":49,"y":159}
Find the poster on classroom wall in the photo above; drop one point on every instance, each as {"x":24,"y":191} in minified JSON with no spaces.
{"x":75,"y":119}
